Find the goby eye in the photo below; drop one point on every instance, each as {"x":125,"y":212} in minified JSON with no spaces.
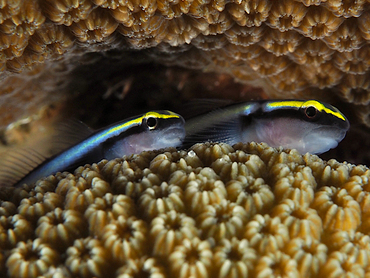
{"x":311,"y":112}
{"x":151,"y":123}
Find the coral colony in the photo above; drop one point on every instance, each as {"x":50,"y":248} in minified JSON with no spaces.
{"x":242,"y":211}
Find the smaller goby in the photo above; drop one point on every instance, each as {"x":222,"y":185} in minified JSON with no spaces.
{"x":149,"y":131}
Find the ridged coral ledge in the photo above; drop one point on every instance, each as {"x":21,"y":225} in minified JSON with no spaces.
{"x":211,"y":211}
{"x":291,"y":48}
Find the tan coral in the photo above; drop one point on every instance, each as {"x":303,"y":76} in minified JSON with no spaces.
{"x":347,"y":38}
{"x":250,"y":13}
{"x":332,"y":172}
{"x":213,"y":11}
{"x":308,"y":3}
{"x":88,"y":258}
{"x":149,"y":267}
{"x":27,"y":61}
{"x":211,"y":153}
{"x":26,"y":21}
{"x":95,"y":28}
{"x":234,"y":258}
{"x":14,"y":229}
{"x":346,"y":8}
{"x":276,"y":264}
{"x":31,"y":259}
{"x":81,"y":194}
{"x":354,"y":245}
{"x":66,"y":12}
{"x":133,"y":14}
{"x":302,"y":222}
{"x":125,"y":238}
{"x":203,"y":190}
{"x":281,"y":43}
{"x":124,"y":178}
{"x":192,"y":258}
{"x":161,"y":199}
{"x":286,"y":15}
{"x":2,"y":263}
{"x":50,"y":39}
{"x":278,"y":216}
{"x":298,"y":187}
{"x":341,"y":264}
{"x":9,"y":9}
{"x":239,"y":36}
{"x":59,"y":270}
{"x":309,"y":254}
{"x":13,"y":45}
{"x":168,"y":230}
{"x":106,"y":209}
{"x":60,"y":228}
{"x":252,"y":194}
{"x":325,"y":76}
{"x":148,"y":34}
{"x":219,"y":24}
{"x":312,"y":53}
{"x":163,"y":164}
{"x":303,"y":48}
{"x":357,"y":188}
{"x":295,"y":82}
{"x":239,"y":164}
{"x":224,"y":220}
{"x":319,"y":23}
{"x":337,"y":209}
{"x":110,"y":4}
{"x":285,"y":47}
{"x":355,"y":62}
{"x":7,"y":208}
{"x":268,"y":64}
{"x":357,"y":86}
{"x":37,"y":206}
{"x":181,"y":30}
{"x":362,"y":24}
{"x":174,"y":8}
{"x":266,"y":234}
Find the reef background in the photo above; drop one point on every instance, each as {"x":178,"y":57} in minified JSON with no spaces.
{"x":218,"y":210}
{"x":95,"y":60}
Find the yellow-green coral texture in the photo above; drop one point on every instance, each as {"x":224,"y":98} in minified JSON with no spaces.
{"x":211,"y":211}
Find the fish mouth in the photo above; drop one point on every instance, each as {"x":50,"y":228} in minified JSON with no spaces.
{"x":170,"y":137}
{"x":322,"y":139}
{"x":333,"y":132}
{"x":174,"y":136}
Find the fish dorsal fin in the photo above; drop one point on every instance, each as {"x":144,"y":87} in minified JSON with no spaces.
{"x":197,"y":107}
{"x":226,"y":130}
{"x":17,"y":163}
{"x":67,"y":133}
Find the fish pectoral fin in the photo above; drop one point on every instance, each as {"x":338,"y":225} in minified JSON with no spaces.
{"x":15,"y":164}
{"x":67,"y":133}
{"x":224,"y":131}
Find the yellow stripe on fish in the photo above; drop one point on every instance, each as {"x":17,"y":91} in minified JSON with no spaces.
{"x":305,"y":104}
{"x":306,"y":125}
{"x":149,"y":131}
{"x":137,"y":121}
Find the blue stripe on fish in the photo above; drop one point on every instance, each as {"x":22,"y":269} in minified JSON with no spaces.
{"x":305,"y":125}
{"x":152,"y":130}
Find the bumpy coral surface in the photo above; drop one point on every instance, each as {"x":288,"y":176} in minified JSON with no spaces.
{"x":211,"y":211}
{"x":292,"y":48}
